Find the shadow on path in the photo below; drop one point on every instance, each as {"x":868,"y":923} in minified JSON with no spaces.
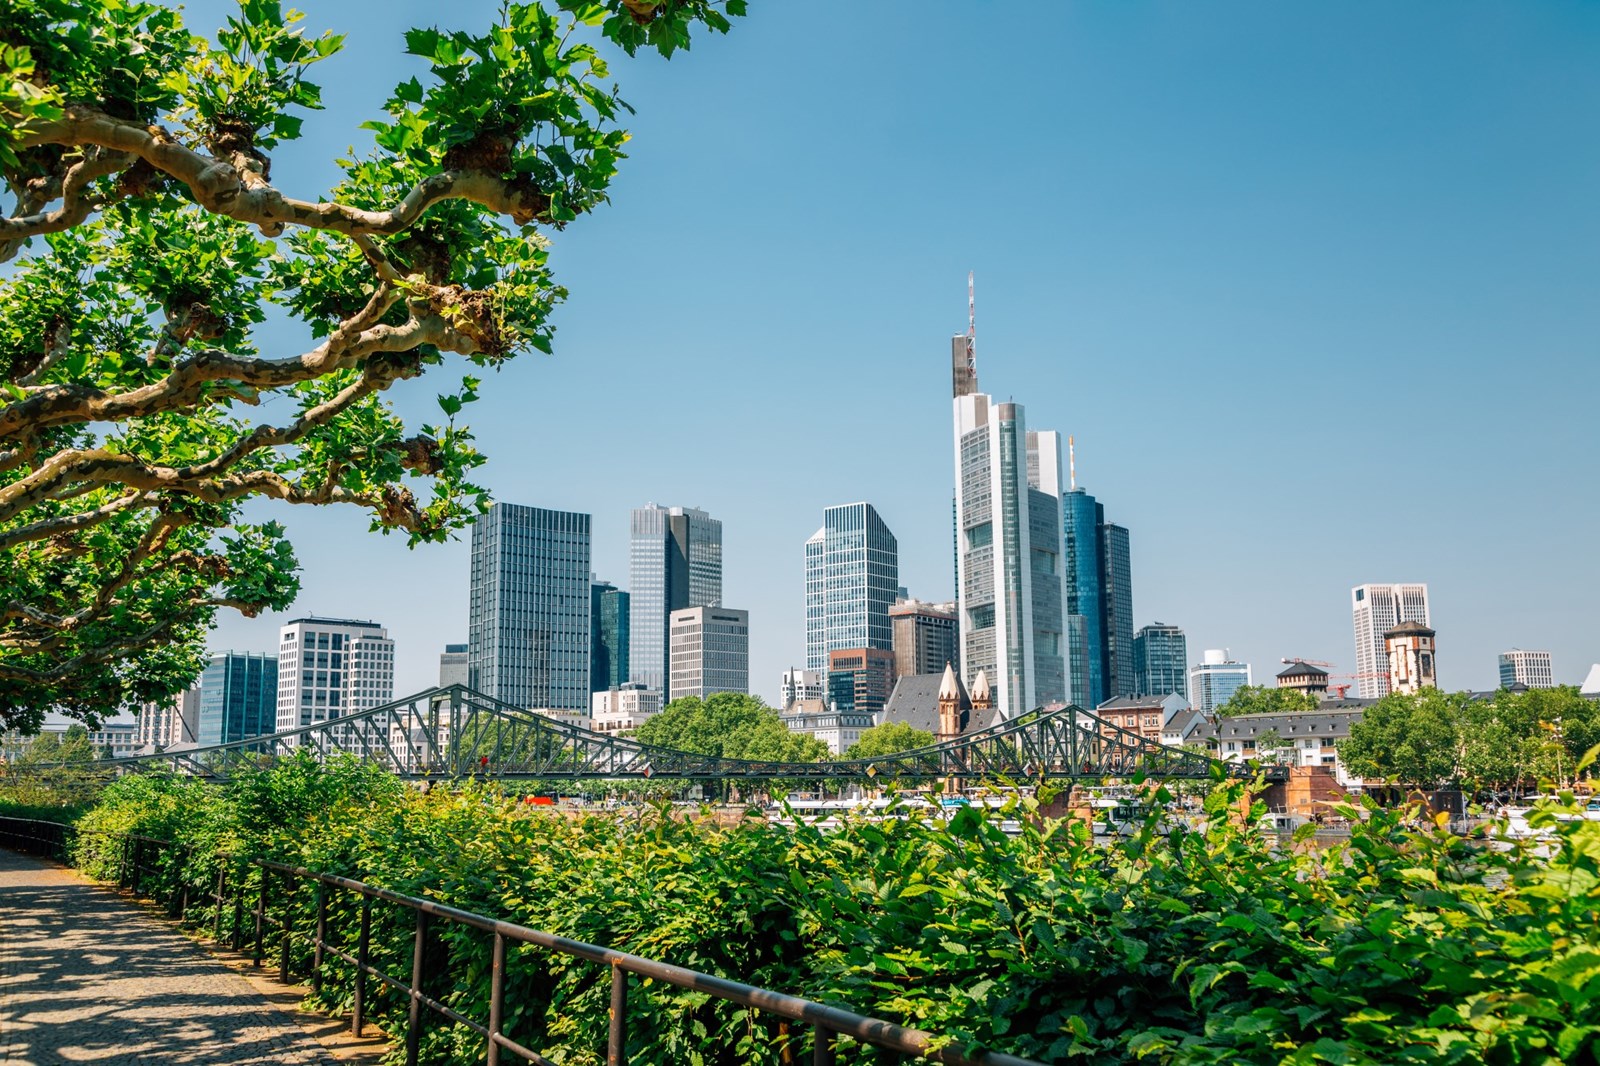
{"x":87,"y":977}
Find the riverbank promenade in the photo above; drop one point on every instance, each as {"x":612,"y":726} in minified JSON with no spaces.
{"x":87,"y":977}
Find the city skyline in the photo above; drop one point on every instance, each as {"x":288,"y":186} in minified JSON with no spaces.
{"x":1243,"y":300}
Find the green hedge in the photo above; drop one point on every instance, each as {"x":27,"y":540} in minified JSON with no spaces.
{"x":1219,"y":946}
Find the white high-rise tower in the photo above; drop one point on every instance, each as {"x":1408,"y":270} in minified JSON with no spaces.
{"x":1010,"y":582}
{"x":1376,"y":610}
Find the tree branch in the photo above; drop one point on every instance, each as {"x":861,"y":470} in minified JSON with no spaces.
{"x":52,"y":405}
{"x":220,"y":187}
{"x":75,"y":206}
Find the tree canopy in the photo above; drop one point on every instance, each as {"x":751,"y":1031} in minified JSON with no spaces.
{"x":890,"y":738}
{"x":1509,"y":740}
{"x":729,"y":725}
{"x":141,"y":403}
{"x":1267,"y":699}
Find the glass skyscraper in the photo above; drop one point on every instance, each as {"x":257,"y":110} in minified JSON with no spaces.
{"x":674,"y":562}
{"x":1082,"y":518}
{"x":238,"y":697}
{"x":1010,"y":579}
{"x":1213,"y":681}
{"x":1118,"y":592}
{"x":1099,"y":582}
{"x":1160,"y":661}
{"x":528,"y":622}
{"x":852,"y":575}
{"x":608,"y":636}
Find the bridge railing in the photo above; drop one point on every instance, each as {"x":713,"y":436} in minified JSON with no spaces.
{"x":156,"y":869}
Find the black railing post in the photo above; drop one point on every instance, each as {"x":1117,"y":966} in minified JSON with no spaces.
{"x":414,"y":1013}
{"x":617,"y":1035}
{"x":497,"y":997}
{"x":283,"y":942}
{"x":359,"y":1001}
{"x":822,"y":1050}
{"x":322,"y":935}
{"x":216,"y":918}
{"x":238,"y":917}
{"x":261,"y":917}
{"x":183,"y":882}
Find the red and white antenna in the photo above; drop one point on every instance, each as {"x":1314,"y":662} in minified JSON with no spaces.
{"x":972,"y":331}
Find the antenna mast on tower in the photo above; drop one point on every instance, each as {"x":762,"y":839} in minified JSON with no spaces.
{"x":972,"y":331}
{"x":1072,"y":465}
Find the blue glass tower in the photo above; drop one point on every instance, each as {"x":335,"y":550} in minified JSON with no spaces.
{"x":1082,"y":518}
{"x":238,"y":697}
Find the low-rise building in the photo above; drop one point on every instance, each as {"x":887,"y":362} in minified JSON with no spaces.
{"x":835,"y":726}
{"x":624,"y":708}
{"x":1306,"y":738}
{"x":1145,"y":715}
{"x":113,"y":740}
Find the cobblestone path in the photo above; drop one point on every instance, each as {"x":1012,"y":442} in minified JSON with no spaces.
{"x":85,"y":977}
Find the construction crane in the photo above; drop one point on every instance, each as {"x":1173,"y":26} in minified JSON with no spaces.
{"x":1308,"y":662}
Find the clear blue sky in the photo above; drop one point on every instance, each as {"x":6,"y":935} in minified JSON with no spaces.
{"x":1314,"y":287}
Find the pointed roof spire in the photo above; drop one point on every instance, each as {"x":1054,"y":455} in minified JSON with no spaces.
{"x":949,"y":688}
{"x":980,"y":687}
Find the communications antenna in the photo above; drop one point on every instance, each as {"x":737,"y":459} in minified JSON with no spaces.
{"x":972,"y":331}
{"x":1072,"y":465}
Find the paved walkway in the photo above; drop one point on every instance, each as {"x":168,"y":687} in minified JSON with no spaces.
{"x":85,"y":977}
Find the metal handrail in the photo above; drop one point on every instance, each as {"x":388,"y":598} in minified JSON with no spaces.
{"x":827,"y":1022}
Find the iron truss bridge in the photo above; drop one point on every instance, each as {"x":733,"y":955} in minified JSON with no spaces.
{"x":456,"y":732}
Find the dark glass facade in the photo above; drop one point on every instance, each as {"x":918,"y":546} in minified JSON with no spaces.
{"x":238,"y":697}
{"x":608,"y":640}
{"x":1082,"y":518}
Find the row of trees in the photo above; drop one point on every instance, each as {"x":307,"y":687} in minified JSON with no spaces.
{"x":1510,"y":741}
{"x":732,"y":725}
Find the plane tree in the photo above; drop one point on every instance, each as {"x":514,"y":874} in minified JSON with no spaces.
{"x":144,"y":406}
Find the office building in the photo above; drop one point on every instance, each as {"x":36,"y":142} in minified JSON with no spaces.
{"x":923,"y":636}
{"x":608,"y":636}
{"x":453,"y":665}
{"x":709,"y":649}
{"x":1529,"y":668}
{"x":852,"y":575}
{"x":1214,"y":680}
{"x":860,"y":679}
{"x":1099,"y":597}
{"x":1410,"y":651}
{"x":528,"y":620}
{"x":329,"y":668}
{"x":1118,"y":601}
{"x":1160,"y":661}
{"x":799,"y":684}
{"x":1010,"y":585}
{"x":170,"y":723}
{"x":239,"y":697}
{"x":624,"y":708}
{"x":675,"y":561}
{"x":1082,"y":518}
{"x":1376,"y":609}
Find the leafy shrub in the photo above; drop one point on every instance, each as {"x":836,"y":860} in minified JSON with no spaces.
{"x":1210,"y":945}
